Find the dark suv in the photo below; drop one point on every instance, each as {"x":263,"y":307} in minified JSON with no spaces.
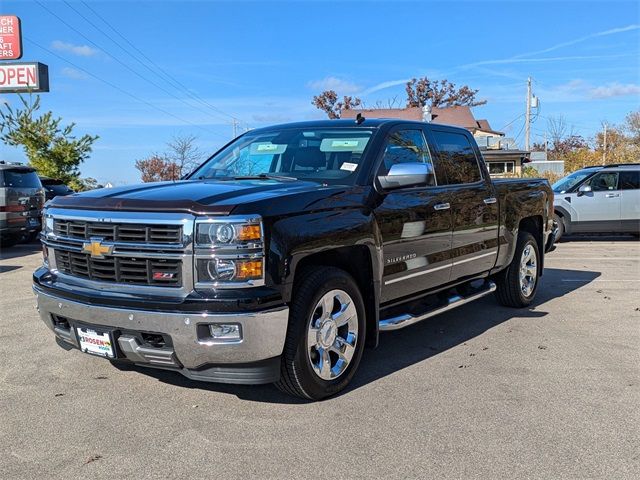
{"x":21,"y":202}
{"x":54,"y":187}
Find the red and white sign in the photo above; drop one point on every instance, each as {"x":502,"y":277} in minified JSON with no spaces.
{"x":10,"y":38}
{"x":24,"y":77}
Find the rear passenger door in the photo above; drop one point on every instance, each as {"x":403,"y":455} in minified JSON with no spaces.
{"x":474,"y":206}
{"x":629,"y":185}
{"x":415,"y":222}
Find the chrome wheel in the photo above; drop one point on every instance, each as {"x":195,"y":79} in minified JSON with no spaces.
{"x":528,"y":270}
{"x":332,"y":334}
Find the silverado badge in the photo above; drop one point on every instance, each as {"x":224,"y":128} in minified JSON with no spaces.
{"x":96,"y":249}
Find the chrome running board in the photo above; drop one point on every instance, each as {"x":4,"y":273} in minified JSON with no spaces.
{"x":406,"y":319}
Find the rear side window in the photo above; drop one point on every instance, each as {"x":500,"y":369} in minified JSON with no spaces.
{"x":19,"y":179}
{"x":458,"y":158}
{"x":629,"y":180}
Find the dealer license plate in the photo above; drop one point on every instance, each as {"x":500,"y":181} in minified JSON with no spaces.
{"x":95,"y":342}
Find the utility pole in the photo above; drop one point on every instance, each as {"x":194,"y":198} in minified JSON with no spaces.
{"x":604,"y":150}
{"x":527,"y":118}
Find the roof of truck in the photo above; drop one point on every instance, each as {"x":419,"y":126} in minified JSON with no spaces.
{"x":346,"y":123}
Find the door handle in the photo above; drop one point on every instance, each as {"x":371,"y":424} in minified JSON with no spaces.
{"x":612,"y":195}
{"x":490,"y":200}
{"x":442,"y":206}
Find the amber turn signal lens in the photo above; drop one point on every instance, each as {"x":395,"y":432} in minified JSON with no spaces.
{"x":248,"y":270}
{"x":248,"y":232}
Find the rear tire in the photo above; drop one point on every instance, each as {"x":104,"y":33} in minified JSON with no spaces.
{"x":326,"y":335}
{"x":518,"y":283}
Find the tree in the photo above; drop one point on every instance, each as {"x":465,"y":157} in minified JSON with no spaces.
{"x":87,"y":183}
{"x":182,"y":157}
{"x":51,"y":148}
{"x":328,"y":102}
{"x":439,"y":93}
{"x":183,"y":154}
{"x":156,"y":168}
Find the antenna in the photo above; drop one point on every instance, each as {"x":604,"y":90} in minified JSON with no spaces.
{"x":359,"y":119}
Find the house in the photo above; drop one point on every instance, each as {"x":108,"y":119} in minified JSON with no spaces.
{"x":502,"y":155}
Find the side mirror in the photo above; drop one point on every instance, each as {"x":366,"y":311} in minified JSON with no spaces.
{"x":407,"y":175}
{"x":583,"y":189}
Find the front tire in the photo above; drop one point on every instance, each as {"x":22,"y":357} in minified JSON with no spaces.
{"x":326,"y":334}
{"x":518,"y":283}
{"x":560,"y":222}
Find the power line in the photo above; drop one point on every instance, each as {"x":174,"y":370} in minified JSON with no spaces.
{"x":121,"y":62}
{"x":512,"y":121}
{"x":106,"y":82}
{"x":163,"y":72}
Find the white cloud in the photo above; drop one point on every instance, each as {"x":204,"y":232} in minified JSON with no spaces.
{"x":614,"y":89}
{"x":384,"y":85}
{"x":74,"y":73}
{"x":79,"y":50}
{"x":339,"y":85}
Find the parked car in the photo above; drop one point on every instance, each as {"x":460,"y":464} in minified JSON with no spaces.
{"x":21,"y":202}
{"x":287,"y":251}
{"x":54,"y":187}
{"x":599,"y":200}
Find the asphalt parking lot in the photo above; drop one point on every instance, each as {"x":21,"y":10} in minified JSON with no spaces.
{"x":480,"y":392}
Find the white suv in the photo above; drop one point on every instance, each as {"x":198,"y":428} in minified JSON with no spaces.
{"x":599,"y":200}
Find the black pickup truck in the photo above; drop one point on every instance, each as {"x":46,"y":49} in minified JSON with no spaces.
{"x":288,"y":251}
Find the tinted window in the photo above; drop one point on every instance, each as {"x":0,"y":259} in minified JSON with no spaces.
{"x":603,"y":181}
{"x":19,"y":179}
{"x":629,"y":180}
{"x":457,"y":155}
{"x":406,"y":146}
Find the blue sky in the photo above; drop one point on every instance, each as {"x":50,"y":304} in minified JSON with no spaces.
{"x":262,"y":62}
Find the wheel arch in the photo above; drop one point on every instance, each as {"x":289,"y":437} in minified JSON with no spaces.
{"x":357,"y":261}
{"x":535,"y":226}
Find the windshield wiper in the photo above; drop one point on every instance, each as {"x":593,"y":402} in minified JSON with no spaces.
{"x":263,"y":176}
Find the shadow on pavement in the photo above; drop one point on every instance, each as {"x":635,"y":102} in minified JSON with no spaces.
{"x":598,"y":238}
{"x":403,"y":348}
{"x":20,"y":250}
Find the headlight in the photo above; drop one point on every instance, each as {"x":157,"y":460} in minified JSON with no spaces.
{"x":47,"y":224}
{"x":223,"y":232}
{"x":229,"y":252}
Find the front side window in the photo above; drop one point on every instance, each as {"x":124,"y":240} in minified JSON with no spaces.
{"x":406,"y":146}
{"x":332,"y":156}
{"x":458,"y":157}
{"x":603,"y":182}
{"x":630,"y":180}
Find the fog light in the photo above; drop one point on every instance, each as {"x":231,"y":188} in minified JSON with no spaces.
{"x":226,"y":331}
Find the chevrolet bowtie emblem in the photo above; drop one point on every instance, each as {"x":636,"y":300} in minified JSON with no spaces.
{"x":96,"y":249}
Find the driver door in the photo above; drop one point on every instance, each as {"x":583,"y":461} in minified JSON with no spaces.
{"x":415,"y":222}
{"x":599,"y":209}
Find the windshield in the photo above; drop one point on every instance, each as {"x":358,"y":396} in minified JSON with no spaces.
{"x":565,"y":184}
{"x":331,"y":156}
{"x":19,"y":178}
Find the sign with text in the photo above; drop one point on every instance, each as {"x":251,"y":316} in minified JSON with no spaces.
{"x":10,"y":38}
{"x":24,"y":77}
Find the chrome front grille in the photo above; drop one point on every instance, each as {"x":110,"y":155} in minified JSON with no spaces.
{"x":131,"y":270}
{"x":118,"y":232}
{"x":148,"y":253}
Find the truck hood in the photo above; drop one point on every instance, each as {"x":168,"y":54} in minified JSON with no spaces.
{"x":214,"y":197}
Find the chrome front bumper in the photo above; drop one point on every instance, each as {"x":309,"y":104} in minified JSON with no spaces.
{"x":263,"y":333}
